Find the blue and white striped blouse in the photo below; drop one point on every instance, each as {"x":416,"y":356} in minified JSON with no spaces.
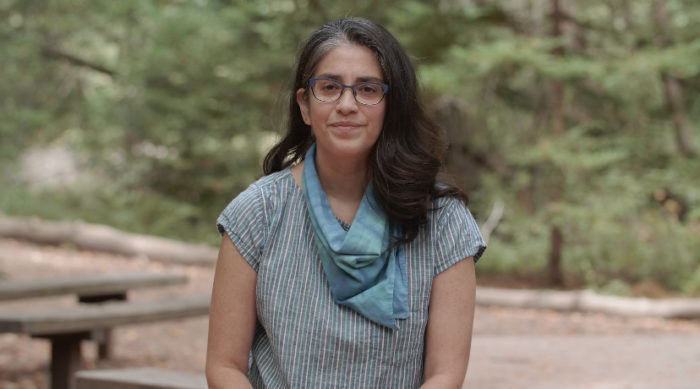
{"x":303,"y":339}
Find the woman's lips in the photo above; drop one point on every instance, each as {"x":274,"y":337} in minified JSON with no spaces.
{"x":345,"y":126}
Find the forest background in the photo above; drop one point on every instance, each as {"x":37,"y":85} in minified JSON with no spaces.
{"x":578,"y":119}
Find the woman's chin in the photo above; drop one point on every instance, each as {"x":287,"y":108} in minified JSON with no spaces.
{"x":347,"y":149}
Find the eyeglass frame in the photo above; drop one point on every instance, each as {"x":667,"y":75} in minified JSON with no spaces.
{"x":385,"y":88}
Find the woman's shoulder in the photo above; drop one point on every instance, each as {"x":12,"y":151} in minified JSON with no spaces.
{"x":271,"y":184}
{"x":246,"y":218}
{"x":256,"y":207}
{"x":454,"y":229}
{"x":264,"y":193}
{"x":442,"y":207}
{"x":274,"y":181}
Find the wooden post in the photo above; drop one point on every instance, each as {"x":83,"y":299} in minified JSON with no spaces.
{"x":103,"y":336}
{"x":66,"y":359}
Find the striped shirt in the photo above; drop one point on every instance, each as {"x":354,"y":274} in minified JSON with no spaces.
{"x":303,"y":339}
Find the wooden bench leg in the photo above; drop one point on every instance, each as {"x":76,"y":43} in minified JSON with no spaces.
{"x":66,"y":359}
{"x":103,"y":337}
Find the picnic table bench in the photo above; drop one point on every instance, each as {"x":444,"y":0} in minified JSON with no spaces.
{"x":139,"y":378}
{"x":65,"y":328}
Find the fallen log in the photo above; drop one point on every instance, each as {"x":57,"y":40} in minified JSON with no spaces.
{"x":589,"y":301}
{"x":104,"y":238}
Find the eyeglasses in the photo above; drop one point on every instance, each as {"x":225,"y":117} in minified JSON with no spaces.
{"x":328,"y":90}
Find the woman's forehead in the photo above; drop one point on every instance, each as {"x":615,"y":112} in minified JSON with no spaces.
{"x":349,"y":63}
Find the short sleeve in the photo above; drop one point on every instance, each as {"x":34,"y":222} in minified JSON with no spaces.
{"x":243,"y":220}
{"x":458,"y":237}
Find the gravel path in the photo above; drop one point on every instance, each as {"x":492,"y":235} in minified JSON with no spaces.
{"x":512,"y":348}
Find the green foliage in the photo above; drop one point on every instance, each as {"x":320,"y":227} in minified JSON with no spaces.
{"x":170,"y":105}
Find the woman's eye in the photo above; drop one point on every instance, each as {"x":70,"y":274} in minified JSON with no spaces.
{"x":368,"y":89}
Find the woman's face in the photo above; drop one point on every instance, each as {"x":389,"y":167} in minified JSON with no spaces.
{"x":344,"y":128}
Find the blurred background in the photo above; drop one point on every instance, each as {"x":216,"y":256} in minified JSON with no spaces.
{"x":574,"y":126}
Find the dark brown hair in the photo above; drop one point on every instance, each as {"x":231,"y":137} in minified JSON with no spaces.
{"x":407,"y":157}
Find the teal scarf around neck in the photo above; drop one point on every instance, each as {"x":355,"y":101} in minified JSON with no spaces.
{"x":365,"y":273}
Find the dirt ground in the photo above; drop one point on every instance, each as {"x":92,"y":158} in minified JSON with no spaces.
{"x":512,"y":348}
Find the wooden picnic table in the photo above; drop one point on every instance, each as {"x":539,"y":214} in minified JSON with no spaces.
{"x":88,"y":288}
{"x":92,"y":288}
{"x":94,"y":317}
{"x":66,"y":327}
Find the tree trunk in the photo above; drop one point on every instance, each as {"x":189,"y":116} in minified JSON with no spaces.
{"x":556,"y":275}
{"x":557,"y":86}
{"x":556,"y":239}
{"x":672,"y":88}
{"x":674,"y":99}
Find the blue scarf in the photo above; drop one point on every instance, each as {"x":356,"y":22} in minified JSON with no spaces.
{"x":365,"y":273}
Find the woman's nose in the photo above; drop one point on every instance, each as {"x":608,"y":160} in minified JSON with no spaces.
{"x":346,"y":102}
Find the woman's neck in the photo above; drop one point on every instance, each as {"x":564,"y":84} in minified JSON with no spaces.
{"x":344,"y":182}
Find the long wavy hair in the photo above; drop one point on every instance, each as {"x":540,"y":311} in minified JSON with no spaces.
{"x":405,"y":161}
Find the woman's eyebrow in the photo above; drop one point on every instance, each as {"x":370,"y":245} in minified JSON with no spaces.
{"x":369,"y":78}
{"x":358,"y":79}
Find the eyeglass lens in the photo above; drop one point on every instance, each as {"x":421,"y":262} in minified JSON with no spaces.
{"x":365,"y":92}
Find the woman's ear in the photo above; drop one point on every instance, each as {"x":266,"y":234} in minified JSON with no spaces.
{"x":303,"y":103}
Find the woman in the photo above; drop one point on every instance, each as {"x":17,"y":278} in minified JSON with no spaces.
{"x":347,"y":265}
